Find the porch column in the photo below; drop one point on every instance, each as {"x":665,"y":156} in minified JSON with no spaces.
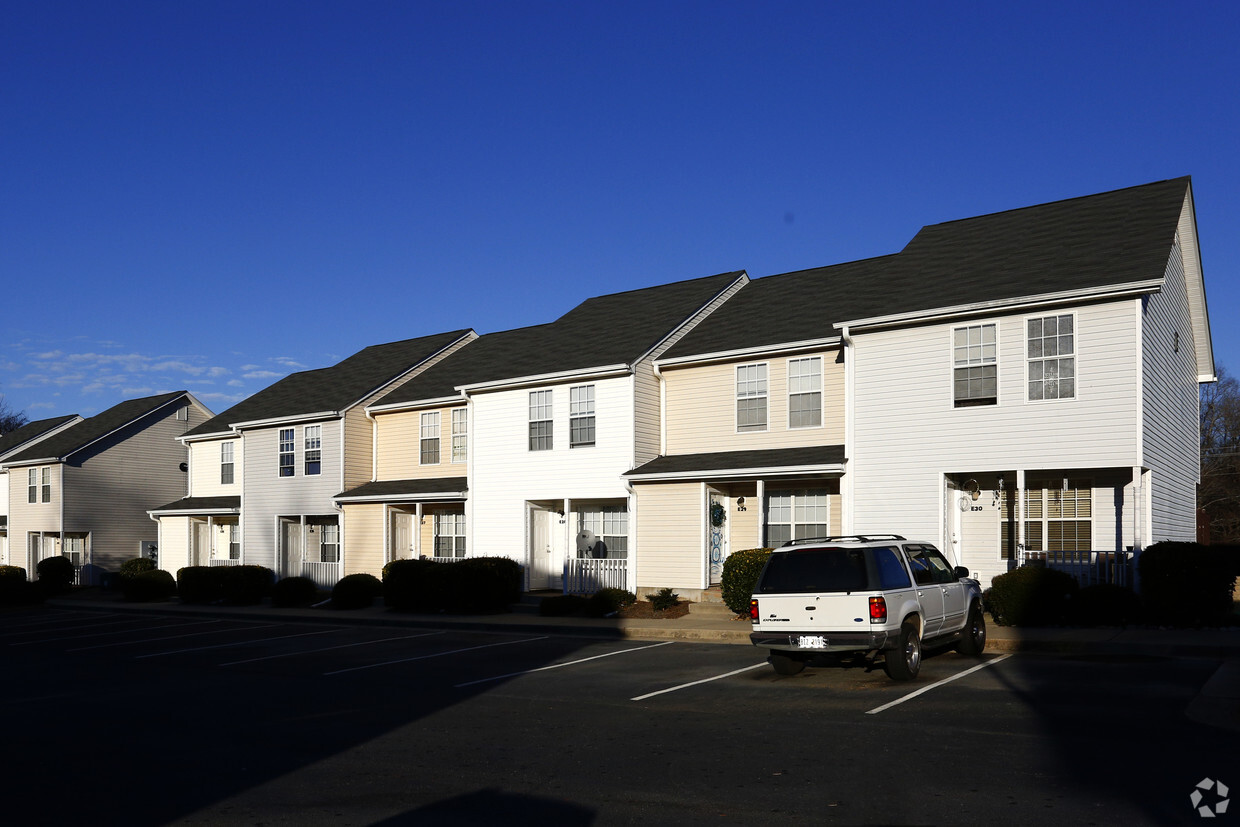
{"x":417,"y":530}
{"x":1020,"y":514}
{"x":210,"y":539}
{"x":761,"y":513}
{"x":1138,"y":510}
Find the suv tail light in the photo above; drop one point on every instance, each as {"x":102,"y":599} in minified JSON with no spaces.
{"x":878,"y":610}
{"x":753,"y":609}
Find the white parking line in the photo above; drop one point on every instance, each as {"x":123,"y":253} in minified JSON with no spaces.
{"x":434,"y":655}
{"x":238,"y":643}
{"x":173,"y":637}
{"x":128,"y":619}
{"x":703,"y":680}
{"x":95,"y":634}
{"x":567,"y":663}
{"x":925,"y":689}
{"x":329,"y":648}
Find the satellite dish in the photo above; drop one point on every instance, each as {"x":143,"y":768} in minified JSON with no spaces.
{"x":586,"y":541}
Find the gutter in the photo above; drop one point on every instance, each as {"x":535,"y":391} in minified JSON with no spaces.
{"x":602,"y":372}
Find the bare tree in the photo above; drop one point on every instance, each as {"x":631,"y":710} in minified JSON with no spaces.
{"x":1219,"y":493}
{"x":10,"y":420}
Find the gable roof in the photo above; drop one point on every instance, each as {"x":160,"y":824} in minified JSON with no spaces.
{"x":612,"y":331}
{"x":58,"y":447}
{"x":31,"y":432}
{"x":333,"y":389}
{"x":1079,"y":246}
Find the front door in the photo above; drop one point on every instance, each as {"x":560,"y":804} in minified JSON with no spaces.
{"x":290,"y":542}
{"x":402,"y":535}
{"x":546,"y":554}
{"x":202,"y":544}
{"x":717,"y":537}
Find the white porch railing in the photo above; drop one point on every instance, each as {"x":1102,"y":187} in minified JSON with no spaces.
{"x":324,"y":575}
{"x":223,"y":562}
{"x":1090,"y":568}
{"x":586,"y":575}
{"x":434,"y":559}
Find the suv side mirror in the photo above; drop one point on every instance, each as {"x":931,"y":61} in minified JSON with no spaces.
{"x":960,"y":572}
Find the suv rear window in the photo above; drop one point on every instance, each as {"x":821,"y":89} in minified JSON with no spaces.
{"x":816,"y":570}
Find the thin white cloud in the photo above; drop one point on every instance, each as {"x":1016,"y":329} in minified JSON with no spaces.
{"x":262,"y":374}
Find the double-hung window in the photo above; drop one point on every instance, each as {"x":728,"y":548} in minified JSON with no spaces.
{"x":288,"y":450}
{"x":1052,"y":357}
{"x":314,"y":449}
{"x":39,"y":485}
{"x":329,"y":547}
{"x":609,"y":527}
{"x":32,"y":485}
{"x":429,"y":446}
{"x":796,"y":515}
{"x":460,"y":435}
{"x":46,"y":488}
{"x":975,"y":361}
{"x":1058,"y":517}
{"x":751,"y":397}
{"x":541,"y":431}
{"x":581,"y":416}
{"x":234,"y":541}
{"x":227,"y":463}
{"x":805,"y":392}
{"x":449,"y":534}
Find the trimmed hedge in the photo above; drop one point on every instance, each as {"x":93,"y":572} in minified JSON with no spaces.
{"x":238,"y":585}
{"x":472,"y":585}
{"x":741,"y":570}
{"x":1031,"y":596}
{"x":15,"y":589}
{"x":356,"y":591}
{"x":1187,"y":584}
{"x":294,"y":592}
{"x":148,"y":585}
{"x":136,"y":565}
{"x":199,"y":584}
{"x":1106,"y":604}
{"x":55,"y":574}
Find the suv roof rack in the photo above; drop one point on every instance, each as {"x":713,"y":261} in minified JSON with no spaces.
{"x":854,"y":538}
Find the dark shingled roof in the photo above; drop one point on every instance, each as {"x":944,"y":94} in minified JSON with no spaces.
{"x":407,"y":488}
{"x":31,"y":430}
{"x":723,"y":461}
{"x":203,"y":504}
{"x":333,"y":388}
{"x":61,"y":445}
{"x":605,"y":330}
{"x":1096,"y":241}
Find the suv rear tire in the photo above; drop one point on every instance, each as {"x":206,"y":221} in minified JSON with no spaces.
{"x":904,"y":662}
{"x":973,"y":638}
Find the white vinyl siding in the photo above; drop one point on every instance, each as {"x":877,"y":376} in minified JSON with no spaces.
{"x":751,"y":397}
{"x":208,"y":463}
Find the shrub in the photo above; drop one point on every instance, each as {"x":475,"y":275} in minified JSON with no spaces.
{"x":14,"y":589}
{"x":740,"y":576}
{"x":1030,"y":596}
{"x":152,"y":584}
{"x":246,"y":585}
{"x":663,"y":599}
{"x":56,"y":574}
{"x":1106,"y":604}
{"x":292,"y":592}
{"x":606,"y":602}
{"x":1186,"y":584}
{"x":356,"y":591}
{"x":407,"y":584}
{"x":475,"y":584}
{"x":200,"y":584}
{"x":564,"y":605}
{"x":136,"y":565}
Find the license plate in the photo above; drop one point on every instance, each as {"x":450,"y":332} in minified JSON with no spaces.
{"x":812,"y":642}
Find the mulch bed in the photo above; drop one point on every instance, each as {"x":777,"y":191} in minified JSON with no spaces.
{"x":645,"y":609}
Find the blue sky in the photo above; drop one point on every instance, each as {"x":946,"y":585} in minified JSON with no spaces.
{"x":210,"y":195}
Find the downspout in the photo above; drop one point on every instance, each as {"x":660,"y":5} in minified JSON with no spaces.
{"x":850,"y":424}
{"x":658,"y":375}
{"x":631,"y":563}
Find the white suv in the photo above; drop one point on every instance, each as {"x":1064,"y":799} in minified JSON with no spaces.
{"x":867,"y":594}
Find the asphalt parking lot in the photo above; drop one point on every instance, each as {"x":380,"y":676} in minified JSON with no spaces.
{"x":178,"y":719}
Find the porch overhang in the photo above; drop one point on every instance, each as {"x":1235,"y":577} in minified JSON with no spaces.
{"x":407,"y":491}
{"x":819,"y":460}
{"x":198,"y":506}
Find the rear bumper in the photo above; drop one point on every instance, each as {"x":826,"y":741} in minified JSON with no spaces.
{"x":835,"y":641}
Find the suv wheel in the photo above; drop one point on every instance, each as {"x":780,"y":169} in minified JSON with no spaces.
{"x":786,"y":664}
{"x":904,"y":662}
{"x":973,"y":639}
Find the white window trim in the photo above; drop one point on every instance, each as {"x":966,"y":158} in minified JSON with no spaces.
{"x":593,"y":415}
{"x":736,"y":398}
{"x":951,"y":363}
{"x":305,"y":450}
{"x":822,"y":394}
{"x":463,"y":434}
{"x":437,"y":420}
{"x":1076,"y":357}
{"x":280,"y":453}
{"x":231,"y":449}
{"x":530,"y":418}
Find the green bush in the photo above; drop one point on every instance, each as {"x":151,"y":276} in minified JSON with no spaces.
{"x":9,"y":574}
{"x":1106,"y":604}
{"x":407,"y":584}
{"x":200,"y":584}
{"x":663,"y":599}
{"x":606,"y":602}
{"x":145,"y":586}
{"x":246,"y":585}
{"x":136,"y":565}
{"x":293,"y":592}
{"x":1031,"y":596}
{"x":474,"y":584}
{"x":356,"y":591}
{"x":1187,"y":584}
{"x":740,"y":575}
{"x":14,"y":588}
{"x":56,"y":574}
{"x":564,"y":605}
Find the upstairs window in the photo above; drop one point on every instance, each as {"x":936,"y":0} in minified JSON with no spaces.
{"x":541,"y":430}
{"x":32,"y":485}
{"x":460,"y":435}
{"x":581,"y":416}
{"x":751,"y":396}
{"x":429,"y":444}
{"x":288,"y":448}
{"x":314,"y":449}
{"x":46,"y":488}
{"x":227,"y":465}
{"x":1052,"y":357}
{"x":805,"y":392}
{"x":975,"y":357}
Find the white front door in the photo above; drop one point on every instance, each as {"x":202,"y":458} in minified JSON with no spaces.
{"x":291,"y":543}
{"x":201,"y":554}
{"x":402,"y":535}
{"x":545,"y":563}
